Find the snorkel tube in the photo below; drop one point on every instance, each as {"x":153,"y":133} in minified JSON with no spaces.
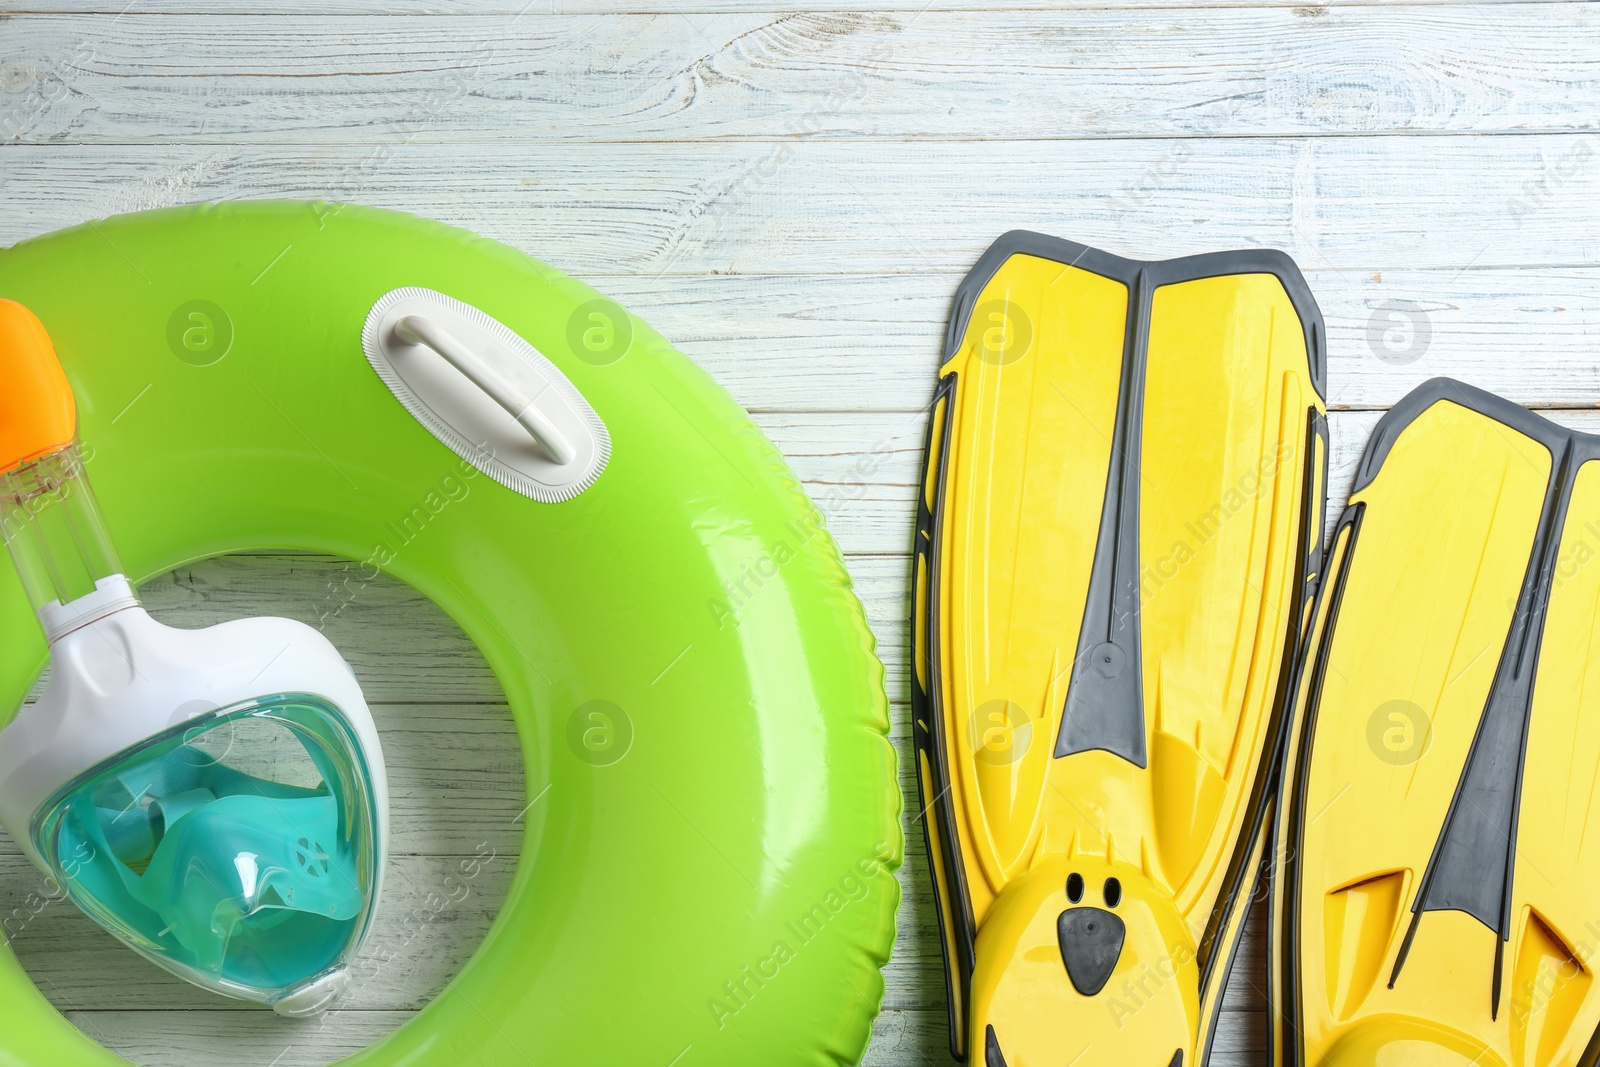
{"x":215,"y":798}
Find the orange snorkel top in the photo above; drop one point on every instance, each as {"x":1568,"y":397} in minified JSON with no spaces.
{"x":37,"y":412}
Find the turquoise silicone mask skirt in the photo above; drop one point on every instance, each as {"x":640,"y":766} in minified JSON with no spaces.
{"x":237,"y":849}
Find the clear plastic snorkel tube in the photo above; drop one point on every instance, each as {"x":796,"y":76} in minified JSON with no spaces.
{"x":214,"y":798}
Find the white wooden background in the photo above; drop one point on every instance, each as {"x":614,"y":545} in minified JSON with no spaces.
{"x":789,"y":190}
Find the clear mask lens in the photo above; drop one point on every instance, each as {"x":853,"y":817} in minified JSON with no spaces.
{"x":238,"y":850}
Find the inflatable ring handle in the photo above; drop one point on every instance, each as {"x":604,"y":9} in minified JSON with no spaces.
{"x":420,"y":330}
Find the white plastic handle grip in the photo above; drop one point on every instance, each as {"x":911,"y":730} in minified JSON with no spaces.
{"x":417,"y":330}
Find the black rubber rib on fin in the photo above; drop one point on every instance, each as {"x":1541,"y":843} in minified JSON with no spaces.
{"x":1177,"y":1059}
{"x":1335,"y":568}
{"x":928,"y":733}
{"x":1104,"y":708}
{"x":1475,"y":855}
{"x":991,"y":1050}
{"x":1473,"y":863}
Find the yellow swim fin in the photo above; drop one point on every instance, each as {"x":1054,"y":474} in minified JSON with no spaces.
{"x":1436,"y":899}
{"x":1115,"y":552}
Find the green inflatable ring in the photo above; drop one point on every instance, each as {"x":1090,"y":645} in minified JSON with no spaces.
{"x":722,"y":893}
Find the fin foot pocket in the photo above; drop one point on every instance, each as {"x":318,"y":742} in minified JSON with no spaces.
{"x":1409,"y":1042}
{"x":1114,"y":971}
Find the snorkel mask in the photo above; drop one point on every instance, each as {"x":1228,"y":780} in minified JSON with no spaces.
{"x":214,"y":798}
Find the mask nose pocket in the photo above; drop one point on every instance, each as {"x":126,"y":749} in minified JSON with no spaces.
{"x":238,"y":850}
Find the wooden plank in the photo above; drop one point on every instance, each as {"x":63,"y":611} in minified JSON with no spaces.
{"x":873,"y":342}
{"x":863,"y":471}
{"x":834,"y":342}
{"x":464,"y":9}
{"x":1077,"y":73}
{"x":789,"y":192}
{"x":822,"y":207}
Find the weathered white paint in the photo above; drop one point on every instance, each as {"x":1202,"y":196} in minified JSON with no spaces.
{"x":522,"y":11}
{"x":790,"y":191}
{"x":1072,"y":73}
{"x":1359,"y":204}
